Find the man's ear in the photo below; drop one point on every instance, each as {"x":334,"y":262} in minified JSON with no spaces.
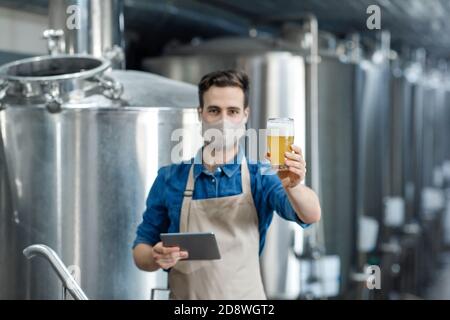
{"x":246,"y":113}
{"x":199,"y":113}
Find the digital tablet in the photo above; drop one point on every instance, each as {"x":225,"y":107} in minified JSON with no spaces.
{"x":199,"y":245}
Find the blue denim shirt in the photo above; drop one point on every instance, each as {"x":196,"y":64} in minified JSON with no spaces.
{"x":166,"y":196}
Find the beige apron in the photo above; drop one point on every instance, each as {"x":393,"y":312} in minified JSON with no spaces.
{"x":234,"y":221}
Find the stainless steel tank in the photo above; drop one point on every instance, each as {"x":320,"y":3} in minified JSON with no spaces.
{"x":417,"y":156}
{"x":429,"y":137}
{"x":338,"y":162}
{"x":401,"y":132}
{"x":417,"y":167}
{"x":435,"y":126}
{"x":82,"y":146}
{"x":7,"y":255}
{"x":372,"y":103}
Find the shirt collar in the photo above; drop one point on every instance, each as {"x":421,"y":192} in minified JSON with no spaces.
{"x":228,"y":168}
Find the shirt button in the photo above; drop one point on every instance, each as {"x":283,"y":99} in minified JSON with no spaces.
{"x":213,"y":180}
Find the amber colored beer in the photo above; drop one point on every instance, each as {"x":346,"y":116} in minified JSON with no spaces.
{"x":280,"y":138}
{"x":277,"y":146}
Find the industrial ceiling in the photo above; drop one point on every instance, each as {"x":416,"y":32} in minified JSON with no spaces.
{"x":413,"y":23}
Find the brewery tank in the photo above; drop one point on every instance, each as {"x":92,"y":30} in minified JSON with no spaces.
{"x":81,"y":145}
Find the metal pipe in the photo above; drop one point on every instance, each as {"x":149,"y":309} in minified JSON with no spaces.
{"x":92,"y":27}
{"x":314,"y":101}
{"x":58,"y":266}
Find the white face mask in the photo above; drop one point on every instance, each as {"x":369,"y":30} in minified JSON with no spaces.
{"x":223,"y":134}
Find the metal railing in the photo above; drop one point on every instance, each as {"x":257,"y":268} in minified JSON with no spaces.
{"x":68,"y":281}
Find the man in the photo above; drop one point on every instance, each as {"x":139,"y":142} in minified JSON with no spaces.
{"x":222,"y":193}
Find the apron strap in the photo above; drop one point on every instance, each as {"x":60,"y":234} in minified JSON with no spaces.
{"x":190,"y":183}
{"x":245,"y":177}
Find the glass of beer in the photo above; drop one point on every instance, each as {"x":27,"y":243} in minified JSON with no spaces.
{"x":280,"y":137}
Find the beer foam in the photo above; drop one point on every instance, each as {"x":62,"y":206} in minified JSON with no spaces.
{"x":280,"y":127}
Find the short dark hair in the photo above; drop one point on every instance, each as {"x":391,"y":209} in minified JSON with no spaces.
{"x":224,"y":78}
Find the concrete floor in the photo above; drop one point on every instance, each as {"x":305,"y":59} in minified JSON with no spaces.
{"x":440,"y":289}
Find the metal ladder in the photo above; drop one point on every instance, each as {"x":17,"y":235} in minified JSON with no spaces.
{"x":68,"y":282}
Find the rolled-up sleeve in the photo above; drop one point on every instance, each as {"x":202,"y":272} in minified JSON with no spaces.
{"x":155,"y":219}
{"x":277,"y":199}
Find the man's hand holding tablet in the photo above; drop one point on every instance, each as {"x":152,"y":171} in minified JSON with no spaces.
{"x":198,"y":245}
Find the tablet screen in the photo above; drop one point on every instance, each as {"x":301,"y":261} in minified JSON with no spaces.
{"x":199,"y":245}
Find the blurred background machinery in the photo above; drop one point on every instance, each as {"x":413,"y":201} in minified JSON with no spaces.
{"x":81,"y":143}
